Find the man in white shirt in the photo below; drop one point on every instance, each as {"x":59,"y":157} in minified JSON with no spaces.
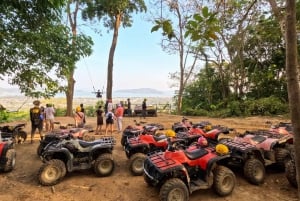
{"x":49,"y":114}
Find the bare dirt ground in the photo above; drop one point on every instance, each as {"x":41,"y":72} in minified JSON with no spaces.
{"x":22,"y":183}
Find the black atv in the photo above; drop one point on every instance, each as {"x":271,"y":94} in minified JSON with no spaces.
{"x":60,"y":134}
{"x":74,"y":154}
{"x":178,"y":173}
{"x":7,"y":155}
{"x":15,"y":133}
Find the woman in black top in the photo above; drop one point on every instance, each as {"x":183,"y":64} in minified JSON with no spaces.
{"x":99,"y":113}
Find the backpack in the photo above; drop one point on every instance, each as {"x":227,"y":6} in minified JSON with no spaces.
{"x":35,"y":116}
{"x":110,"y":116}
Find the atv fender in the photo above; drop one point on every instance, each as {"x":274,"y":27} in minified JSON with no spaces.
{"x":63,"y":154}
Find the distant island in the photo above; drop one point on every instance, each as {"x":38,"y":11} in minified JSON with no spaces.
{"x":78,"y":93}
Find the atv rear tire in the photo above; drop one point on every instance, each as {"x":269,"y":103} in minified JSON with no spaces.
{"x":290,"y":173}
{"x":50,"y":172}
{"x":254,"y":171}
{"x":11,"y":160}
{"x":174,"y":189}
{"x":104,"y":165}
{"x":281,"y":155}
{"x":224,"y":180}
{"x":136,"y":164}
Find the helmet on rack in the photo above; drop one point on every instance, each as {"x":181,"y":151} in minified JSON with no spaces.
{"x":202,"y":142}
{"x":170,"y":133}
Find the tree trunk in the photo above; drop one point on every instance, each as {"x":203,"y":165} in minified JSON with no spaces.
{"x":70,"y":95}
{"x":111,"y":57}
{"x":71,"y":82}
{"x":292,"y":78}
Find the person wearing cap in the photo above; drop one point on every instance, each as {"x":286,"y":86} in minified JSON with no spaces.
{"x":79,"y":117}
{"x":36,"y":118}
{"x":144,"y":108}
{"x":119,"y":116}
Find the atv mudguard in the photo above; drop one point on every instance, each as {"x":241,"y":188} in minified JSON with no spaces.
{"x":53,"y":152}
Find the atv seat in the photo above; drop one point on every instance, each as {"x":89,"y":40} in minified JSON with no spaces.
{"x":86,"y":144}
{"x":258,"y":139}
{"x":158,"y":138}
{"x":196,"y":153}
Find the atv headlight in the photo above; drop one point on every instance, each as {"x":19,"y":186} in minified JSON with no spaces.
{"x":222,"y":149}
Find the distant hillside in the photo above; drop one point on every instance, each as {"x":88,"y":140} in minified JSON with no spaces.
{"x":140,"y":92}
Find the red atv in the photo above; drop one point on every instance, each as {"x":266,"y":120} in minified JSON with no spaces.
{"x":181,"y":172}
{"x":137,"y":148}
{"x":7,"y":155}
{"x":254,"y":150}
{"x":138,"y":129}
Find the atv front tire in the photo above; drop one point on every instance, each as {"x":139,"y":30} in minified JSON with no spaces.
{"x":224,"y":180}
{"x":11,"y":160}
{"x":50,"y":172}
{"x":40,"y":149}
{"x":104,"y":165}
{"x":290,"y":173}
{"x":136,"y":164}
{"x":254,"y":171}
{"x":174,"y":189}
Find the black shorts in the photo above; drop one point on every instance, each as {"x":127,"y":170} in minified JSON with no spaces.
{"x":109,"y":121}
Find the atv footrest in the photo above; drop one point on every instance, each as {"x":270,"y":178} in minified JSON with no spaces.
{"x":199,"y":184}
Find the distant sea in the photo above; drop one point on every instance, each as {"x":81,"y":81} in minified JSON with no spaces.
{"x":12,"y":100}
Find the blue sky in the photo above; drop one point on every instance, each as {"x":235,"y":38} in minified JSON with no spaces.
{"x":139,"y":61}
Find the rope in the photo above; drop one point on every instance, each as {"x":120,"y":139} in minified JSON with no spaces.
{"x":89,"y":75}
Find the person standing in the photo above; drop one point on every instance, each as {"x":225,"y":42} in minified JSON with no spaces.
{"x":109,"y":122}
{"x":79,"y":117}
{"x":109,"y":105}
{"x":144,"y":108}
{"x":99,"y":113}
{"x":36,"y":118}
{"x":129,"y":107}
{"x":83,"y":111}
{"x":119,"y":116}
{"x":49,"y":114}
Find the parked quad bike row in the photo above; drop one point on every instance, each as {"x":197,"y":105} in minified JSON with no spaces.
{"x":176,"y":165}
{"x":172,"y":161}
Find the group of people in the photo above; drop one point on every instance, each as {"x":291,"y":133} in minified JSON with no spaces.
{"x":44,"y":117}
{"x":41,"y":117}
{"x":110,"y":115}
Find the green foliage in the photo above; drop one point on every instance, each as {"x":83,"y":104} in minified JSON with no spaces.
{"x":13,"y":116}
{"x":166,"y":26}
{"x":203,"y":27}
{"x":36,"y":47}
{"x":60,"y":112}
{"x":266,"y":106}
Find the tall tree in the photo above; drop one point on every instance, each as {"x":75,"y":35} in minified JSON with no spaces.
{"x":36,"y":48}
{"x":114,"y":14}
{"x":287,"y":21}
{"x":73,"y":8}
{"x":32,"y":43}
{"x":180,"y":38}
